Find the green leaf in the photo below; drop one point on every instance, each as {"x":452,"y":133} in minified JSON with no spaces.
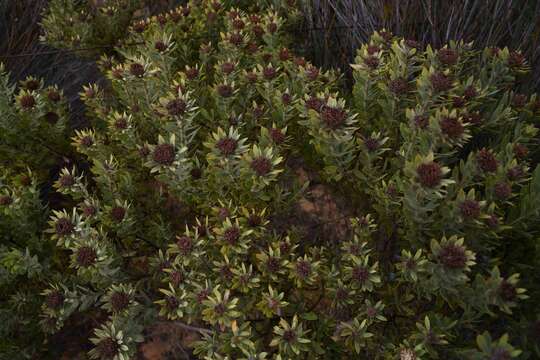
{"x":311,"y":316}
{"x":482,"y":342}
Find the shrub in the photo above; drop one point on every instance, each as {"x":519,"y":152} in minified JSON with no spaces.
{"x":25,"y":255}
{"x":33,"y":124}
{"x":87,"y":24}
{"x":179,"y":218}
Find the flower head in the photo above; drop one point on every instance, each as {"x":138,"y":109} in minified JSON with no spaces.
{"x":5,"y":200}
{"x":502,"y":190}
{"x":516,"y":59}
{"x":86,"y":256}
{"x":55,"y":299}
{"x":515,"y":173}
{"x":261,"y":165}
{"x":53,"y":95}
{"x":448,"y":56}
{"x":486,"y":160}
{"x":469,"y":209}
{"x":119,"y":298}
{"x":470,"y":92}
{"x":440,"y":82}
{"x":312,"y":73}
{"x":164,"y":154}
{"x":333,"y":117}
{"x":363,"y":275}
{"x":284,"y":54}
{"x":474,"y":118}
{"x":290,"y":337}
{"x":137,"y":69}
{"x":451,"y":127}
{"x":113,"y":344}
{"x":269,"y":72}
{"x":519,"y":100}
{"x":27,"y":100}
{"x":236,"y":38}
{"x":372,"y":62}
{"x":314,"y":103}
{"x":520,"y":151}
{"x":227,"y":146}
{"x":176,"y":107}
{"x":191,"y":72}
{"x":429,"y":174}
{"x":277,"y":135}
{"x":84,"y":139}
{"x":399,"y":86}
{"x":118,"y":213}
{"x":225,"y":90}
{"x":64,"y":226}
{"x":452,"y":254}
{"x":421,"y":121}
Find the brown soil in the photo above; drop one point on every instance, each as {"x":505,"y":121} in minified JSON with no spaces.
{"x":166,"y":341}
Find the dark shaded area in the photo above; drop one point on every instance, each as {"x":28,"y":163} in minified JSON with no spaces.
{"x":19,"y":36}
{"x":73,"y":338}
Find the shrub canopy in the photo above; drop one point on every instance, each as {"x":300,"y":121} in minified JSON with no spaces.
{"x":178,"y":207}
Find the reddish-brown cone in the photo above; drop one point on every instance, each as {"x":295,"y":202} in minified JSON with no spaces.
{"x":333,"y":117}
{"x":54,"y":300}
{"x":451,"y":127}
{"x":448,"y":56}
{"x":303,"y":269}
{"x":453,"y":256}
{"x":440,"y":82}
{"x":399,"y":86}
{"x":185,"y":244}
{"x":27,"y":101}
{"x":118,"y":213}
{"x":502,"y":190}
{"x":486,"y":160}
{"x":164,"y":154}
{"x":64,"y":226}
{"x":261,"y":165}
{"x":231,"y":235}
{"x":469,"y":209}
{"x":86,"y":256}
{"x":119,"y":301}
{"x":136,"y":69}
{"x":108,"y":348}
{"x":429,"y":174}
{"x":227,"y":146}
{"x":176,"y":107}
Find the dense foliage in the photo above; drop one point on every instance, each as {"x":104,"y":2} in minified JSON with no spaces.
{"x":180,"y":214}
{"x":87,"y":24}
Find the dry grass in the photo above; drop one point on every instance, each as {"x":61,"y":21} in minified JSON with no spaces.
{"x":340,"y":26}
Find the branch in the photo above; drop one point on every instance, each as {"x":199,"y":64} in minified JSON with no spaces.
{"x":189,"y":327}
{"x":323,"y":291}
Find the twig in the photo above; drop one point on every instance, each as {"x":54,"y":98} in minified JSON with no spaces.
{"x":148,"y":242}
{"x":189,"y":327}
{"x":323,"y":291}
